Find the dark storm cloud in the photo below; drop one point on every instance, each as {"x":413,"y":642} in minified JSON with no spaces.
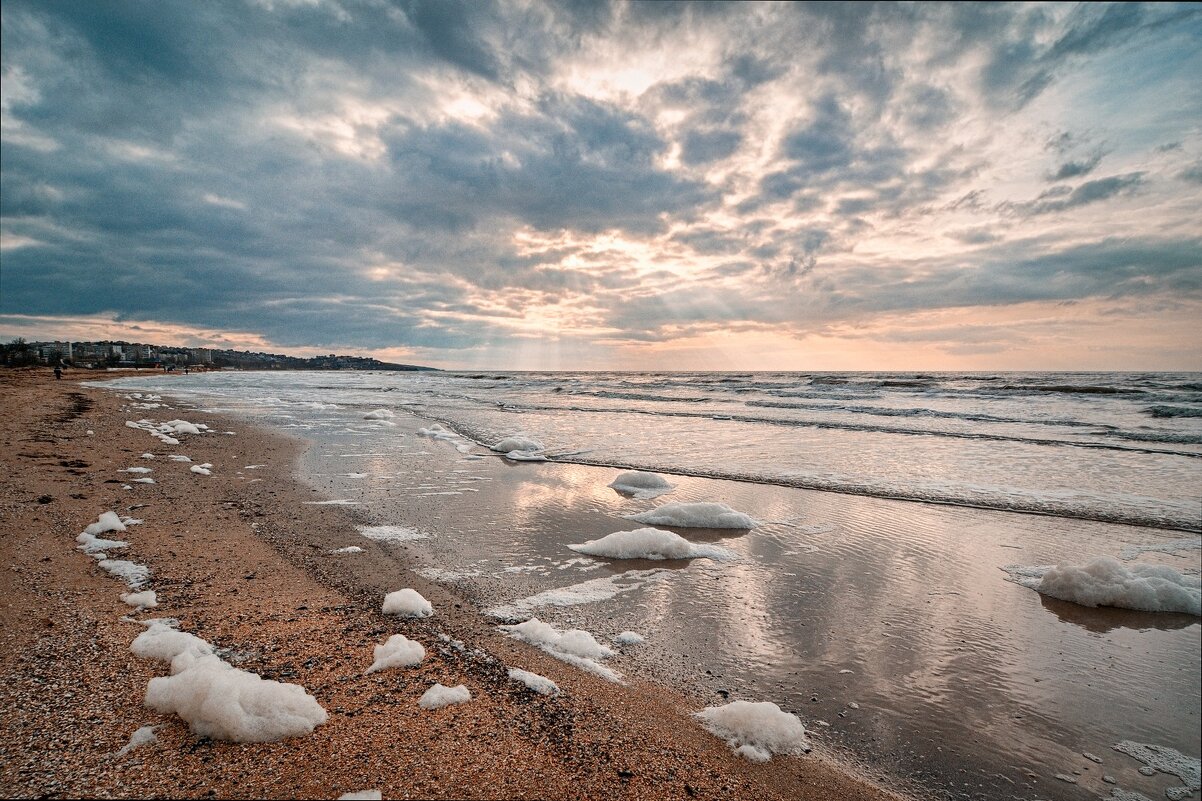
{"x":303,"y":169}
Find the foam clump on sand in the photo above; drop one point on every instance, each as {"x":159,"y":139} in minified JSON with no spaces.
{"x":361,"y":795}
{"x":436,"y":431}
{"x":108,"y":521}
{"x":641,"y":485}
{"x":398,"y":651}
{"x":379,"y":414}
{"x":183,"y":427}
{"x":205,"y":469}
{"x":90,"y":544}
{"x":439,"y":696}
{"x":131,"y":573}
{"x":1104,"y":581}
{"x":518,"y":443}
{"x":1167,"y":760}
{"x":143,"y":736}
{"x":694,"y":515}
{"x":140,"y":600}
{"x":540,"y":684}
{"x":574,"y":646}
{"x":649,"y":543}
{"x":407,"y":603}
{"x":348,"y":549}
{"x":756,"y":731}
{"x":217,"y":699}
{"x":136,"y":470}
{"x":175,"y":457}
{"x":144,"y":481}
{"x":630,"y":638}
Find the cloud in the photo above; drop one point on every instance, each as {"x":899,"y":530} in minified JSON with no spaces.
{"x":463,"y":178}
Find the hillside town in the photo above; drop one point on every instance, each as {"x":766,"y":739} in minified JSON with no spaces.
{"x":106,"y":353}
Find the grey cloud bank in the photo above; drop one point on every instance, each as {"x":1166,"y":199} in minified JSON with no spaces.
{"x":468,"y":183}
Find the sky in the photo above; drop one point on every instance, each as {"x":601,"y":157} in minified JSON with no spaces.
{"x":592,"y":185}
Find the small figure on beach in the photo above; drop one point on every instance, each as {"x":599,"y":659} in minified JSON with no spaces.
{"x":58,"y":372}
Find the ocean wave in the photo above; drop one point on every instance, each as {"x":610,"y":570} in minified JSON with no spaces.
{"x":1174,"y":411}
{"x":1077,"y":389}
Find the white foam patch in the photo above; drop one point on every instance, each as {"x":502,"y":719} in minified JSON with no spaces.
{"x":335,"y":502}
{"x":392,"y":533}
{"x":380,"y":414}
{"x":89,"y":544}
{"x":540,"y":684}
{"x":348,"y":549}
{"x":1170,"y":547}
{"x":218,"y":700}
{"x":201,"y":469}
{"x":175,"y":457}
{"x":523,"y":456}
{"x":142,"y":736}
{"x":586,"y":592}
{"x":439,"y":696}
{"x":574,"y":646}
{"x":694,"y":515}
{"x":630,"y":638}
{"x":398,"y":651}
{"x":650,"y":543}
{"x":108,"y":521}
{"x":1167,"y":760}
{"x":756,"y":731}
{"x":140,"y":600}
{"x":148,"y":456}
{"x":407,"y":603}
{"x":136,"y":470}
{"x":518,"y":442}
{"x":436,"y":431}
{"x":1104,"y":581}
{"x":143,"y":481}
{"x":361,"y":795}
{"x":641,"y":485}
{"x":133,"y":574}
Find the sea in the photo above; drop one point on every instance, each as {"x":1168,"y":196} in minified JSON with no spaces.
{"x":869,"y":599}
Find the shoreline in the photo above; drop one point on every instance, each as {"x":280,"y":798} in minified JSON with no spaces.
{"x":240,"y":562}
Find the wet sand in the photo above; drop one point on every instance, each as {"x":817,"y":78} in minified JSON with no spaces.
{"x":245,"y":565}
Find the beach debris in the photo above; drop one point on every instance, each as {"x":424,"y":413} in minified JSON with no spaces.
{"x":694,"y":515}
{"x":756,"y":731}
{"x":574,"y":646}
{"x":407,"y":603}
{"x":141,"y":600}
{"x":650,"y":543}
{"x":397,"y":651}
{"x":540,"y":684}
{"x":1166,"y":760}
{"x":439,"y":696}
{"x":219,"y":700}
{"x":1104,"y":581}
{"x":142,"y":736}
{"x":630,"y":638}
{"x":641,"y":485}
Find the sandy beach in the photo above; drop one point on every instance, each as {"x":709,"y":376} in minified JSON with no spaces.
{"x":243,"y":563}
